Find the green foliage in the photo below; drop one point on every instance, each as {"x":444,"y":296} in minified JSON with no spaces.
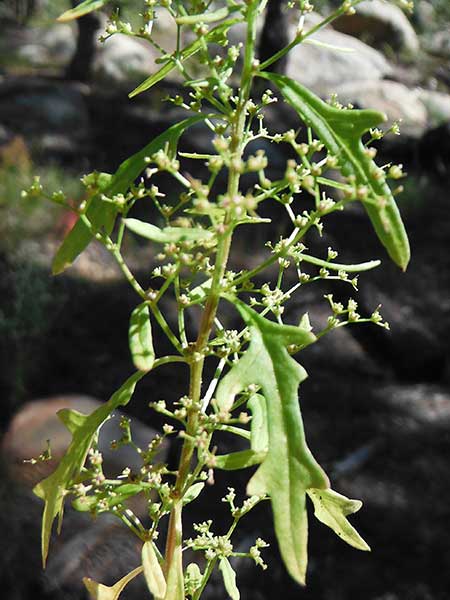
{"x":254,"y":391}
{"x":83,"y":429}
{"x":289,"y":469}
{"x":341,"y":132}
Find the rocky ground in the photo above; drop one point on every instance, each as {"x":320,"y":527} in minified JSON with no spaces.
{"x":376,"y":404}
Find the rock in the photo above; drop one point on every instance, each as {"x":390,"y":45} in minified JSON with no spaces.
{"x":37,"y":107}
{"x":53,"y":46}
{"x":381,"y":24}
{"x":439,"y":43}
{"x":122,"y":60}
{"x":323,"y":69}
{"x":37,"y":422}
{"x":395,"y":99}
{"x":410,"y":348}
{"x":437,"y":105}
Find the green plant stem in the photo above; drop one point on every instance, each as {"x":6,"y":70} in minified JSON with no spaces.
{"x":207,"y":322}
{"x":303,"y":36}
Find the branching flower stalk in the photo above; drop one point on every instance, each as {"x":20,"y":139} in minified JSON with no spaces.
{"x":254,"y":391}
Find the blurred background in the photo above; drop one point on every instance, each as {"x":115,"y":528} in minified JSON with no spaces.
{"x":376,"y":404}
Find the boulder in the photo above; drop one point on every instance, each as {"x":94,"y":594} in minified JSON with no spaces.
{"x":437,"y":105}
{"x":381,"y":24}
{"x":37,"y":421}
{"x":322,"y":68}
{"x":53,"y":46}
{"x":51,"y":116}
{"x":123,"y":60}
{"x":395,"y":99}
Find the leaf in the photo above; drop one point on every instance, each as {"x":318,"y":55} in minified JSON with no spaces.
{"x":121,"y":494}
{"x":207,"y":17}
{"x":341,"y":131}
{"x":98,"y":591}
{"x":193,"y":492}
{"x":354,"y":268}
{"x":259,"y":434}
{"x":239,"y":460}
{"x":186,"y":53}
{"x":154,"y":576}
{"x":84,"y":8}
{"x":168,"y":234}
{"x":259,"y":441}
{"x":289,"y":468}
{"x":331,"y":509}
{"x":102,"y":214}
{"x":83,"y":429}
{"x":229,"y":578}
{"x":140,"y":338}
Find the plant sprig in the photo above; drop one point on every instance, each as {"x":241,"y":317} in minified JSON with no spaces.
{"x":253,"y":393}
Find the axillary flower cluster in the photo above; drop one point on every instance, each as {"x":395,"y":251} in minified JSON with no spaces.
{"x":253,"y":393}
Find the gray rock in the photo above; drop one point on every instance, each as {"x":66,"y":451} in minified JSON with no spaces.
{"x":51,"y":116}
{"x":122,"y":60}
{"x":439,"y":43}
{"x":437,"y":105}
{"x":322,"y":69}
{"x":52,"y":46}
{"x":395,"y":99}
{"x":381,"y":24}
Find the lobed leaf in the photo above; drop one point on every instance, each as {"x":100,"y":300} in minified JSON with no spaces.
{"x":332,"y":509}
{"x":140,"y":338}
{"x":289,"y":468}
{"x":98,"y":591}
{"x":83,"y":429}
{"x":102,"y":215}
{"x":153,"y":573}
{"x":167,"y":235}
{"x":229,"y":578}
{"x":82,"y":9}
{"x":341,"y":132}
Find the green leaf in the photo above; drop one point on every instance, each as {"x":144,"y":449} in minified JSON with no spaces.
{"x":259,"y":439}
{"x":98,"y":591}
{"x":168,"y":234}
{"x":140,"y":338}
{"x":186,"y":53}
{"x":102,"y":215}
{"x":341,"y":132}
{"x":193,"y":492}
{"x":153,"y":573}
{"x":83,"y":429}
{"x":229,"y":578}
{"x":239,"y":460}
{"x":289,"y":468}
{"x":82,"y":9}
{"x":332,"y":509}
{"x":259,"y":433}
{"x":121,"y":494}
{"x":207,"y":17}
{"x":333,"y":266}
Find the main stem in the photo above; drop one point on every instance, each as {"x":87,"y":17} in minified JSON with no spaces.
{"x":237,"y":144}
